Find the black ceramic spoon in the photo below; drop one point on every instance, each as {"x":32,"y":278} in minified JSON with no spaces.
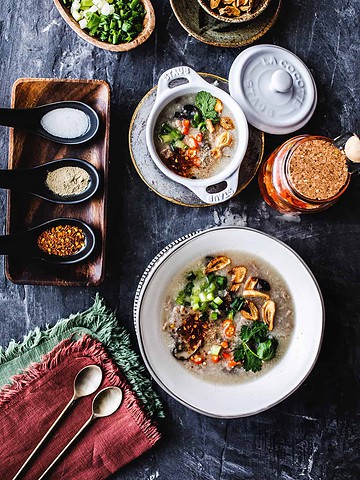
{"x":30,"y":119}
{"x":33,"y":180}
{"x":24,"y":244}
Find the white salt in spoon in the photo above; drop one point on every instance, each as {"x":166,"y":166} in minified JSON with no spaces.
{"x":86,"y":382}
{"x":69,"y":123}
{"x":105,"y":403}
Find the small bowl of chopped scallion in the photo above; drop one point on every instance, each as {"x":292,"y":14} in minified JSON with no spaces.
{"x":116,"y":25}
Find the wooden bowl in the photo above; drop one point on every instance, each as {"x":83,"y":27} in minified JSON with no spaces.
{"x":262,"y":5}
{"x":149,"y":25}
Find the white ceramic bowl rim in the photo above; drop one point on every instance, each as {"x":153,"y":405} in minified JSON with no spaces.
{"x":173,"y":249}
{"x":165,"y":95}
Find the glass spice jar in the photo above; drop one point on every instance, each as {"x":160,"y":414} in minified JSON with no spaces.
{"x":309,"y":173}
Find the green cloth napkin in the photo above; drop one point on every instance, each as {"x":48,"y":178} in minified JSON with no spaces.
{"x":100,"y":323}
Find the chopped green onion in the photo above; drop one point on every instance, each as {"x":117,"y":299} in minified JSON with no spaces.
{"x":202,"y":297}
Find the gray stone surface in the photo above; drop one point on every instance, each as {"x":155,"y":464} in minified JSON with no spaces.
{"x":314,"y":434}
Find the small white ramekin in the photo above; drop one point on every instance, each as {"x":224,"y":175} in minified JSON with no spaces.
{"x":167,"y":93}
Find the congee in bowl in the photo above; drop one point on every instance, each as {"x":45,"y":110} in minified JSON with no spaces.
{"x":195,"y":135}
{"x":228,"y":318}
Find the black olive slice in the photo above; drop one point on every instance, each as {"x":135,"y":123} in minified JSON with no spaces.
{"x":262,"y":285}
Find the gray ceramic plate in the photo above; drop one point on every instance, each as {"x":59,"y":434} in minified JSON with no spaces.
{"x":193,"y":18}
{"x":157,"y":181}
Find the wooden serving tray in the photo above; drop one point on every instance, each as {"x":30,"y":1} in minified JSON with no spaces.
{"x":27,"y":150}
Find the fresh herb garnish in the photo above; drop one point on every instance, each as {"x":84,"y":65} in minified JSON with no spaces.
{"x":221,"y":282}
{"x":188,"y":288}
{"x":255,"y":346}
{"x":235,"y":307}
{"x":206,"y":102}
{"x":191,"y":276}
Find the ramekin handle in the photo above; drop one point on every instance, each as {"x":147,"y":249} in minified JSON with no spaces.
{"x":214,"y":198}
{"x":178,"y":73}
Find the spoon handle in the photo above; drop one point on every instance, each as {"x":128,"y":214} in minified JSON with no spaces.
{"x":44,"y":438}
{"x":14,"y":179}
{"x":67,"y":446}
{"x":17,"y":117}
{"x":13,"y":244}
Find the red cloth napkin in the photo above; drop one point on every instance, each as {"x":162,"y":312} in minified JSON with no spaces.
{"x":37,"y":396}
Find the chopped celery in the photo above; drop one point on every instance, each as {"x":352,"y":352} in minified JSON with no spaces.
{"x":77,"y":16}
{"x":93,"y":21}
{"x":204,"y":306}
{"x":179,"y":144}
{"x":203,"y":297}
{"x":211,"y":288}
{"x":215,"y":350}
{"x":195,"y":299}
{"x":106,"y":28}
{"x":218,"y":301}
{"x":180,"y":299}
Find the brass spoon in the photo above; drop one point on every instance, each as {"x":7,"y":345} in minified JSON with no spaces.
{"x":86,"y":382}
{"x":105,"y":403}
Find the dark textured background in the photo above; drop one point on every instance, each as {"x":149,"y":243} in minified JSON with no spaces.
{"x":314,"y":434}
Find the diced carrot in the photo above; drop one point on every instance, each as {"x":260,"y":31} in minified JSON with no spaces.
{"x":196,"y":359}
{"x":215,"y":358}
{"x":199,"y":137}
{"x":232,"y":364}
{"x":227,"y":323}
{"x":224,"y":344}
{"x":227,"y":355}
{"x":230,"y":331}
{"x":185,"y":126}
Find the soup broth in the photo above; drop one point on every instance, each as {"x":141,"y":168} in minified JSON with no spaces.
{"x":206,"y":314}
{"x":195,"y":136}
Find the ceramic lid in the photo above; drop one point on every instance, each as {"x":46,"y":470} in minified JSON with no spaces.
{"x":274,"y":88}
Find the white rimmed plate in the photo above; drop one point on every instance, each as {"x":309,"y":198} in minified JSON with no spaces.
{"x":242,"y":399}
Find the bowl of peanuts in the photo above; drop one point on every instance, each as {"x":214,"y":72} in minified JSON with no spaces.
{"x":234,"y":11}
